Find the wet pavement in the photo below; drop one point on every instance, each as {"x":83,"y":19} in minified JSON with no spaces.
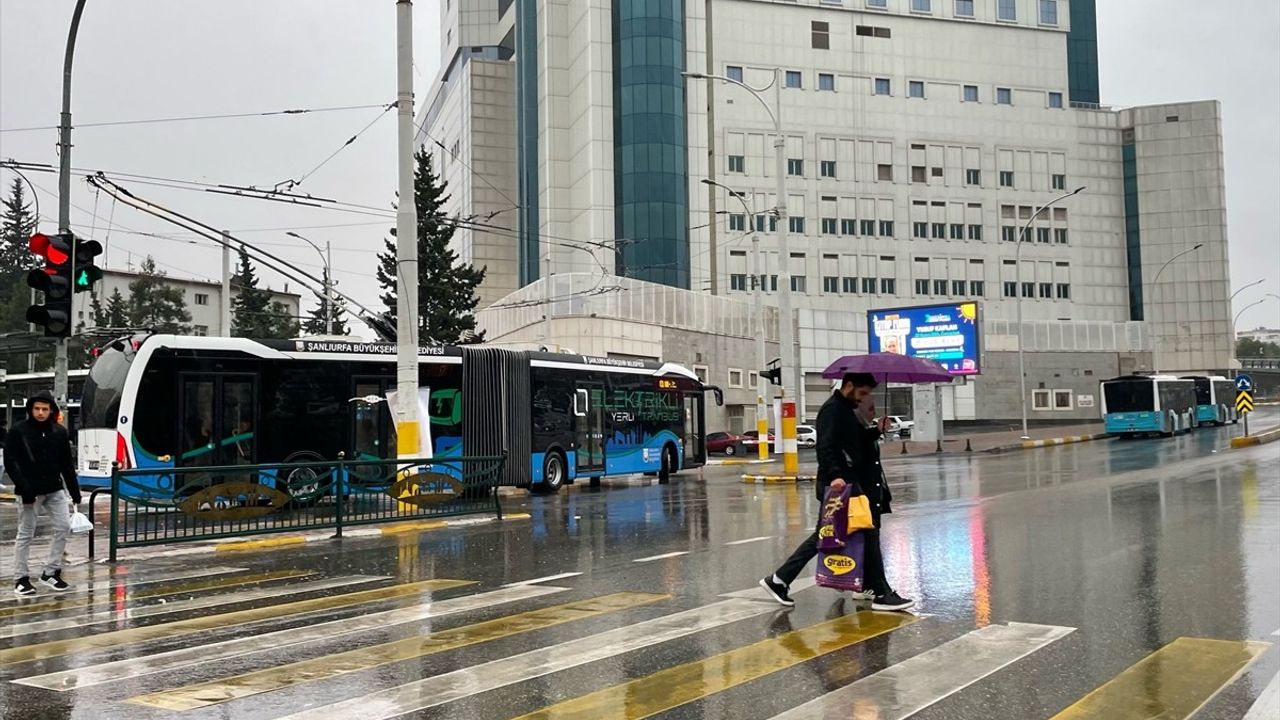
{"x":1111,"y":579}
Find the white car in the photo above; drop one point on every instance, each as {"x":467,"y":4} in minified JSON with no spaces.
{"x":806,"y":436}
{"x":900,"y":426}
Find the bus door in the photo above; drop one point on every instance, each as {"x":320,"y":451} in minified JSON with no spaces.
{"x":695,"y":448}
{"x":372,"y":430}
{"x":588,"y":427}
{"x":218,"y":412}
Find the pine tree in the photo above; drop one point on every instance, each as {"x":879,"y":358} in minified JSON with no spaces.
{"x":15,"y":259}
{"x":155,"y":304}
{"x":114,"y":314}
{"x":446,"y":287}
{"x":253,"y":313}
{"x":316,"y":323}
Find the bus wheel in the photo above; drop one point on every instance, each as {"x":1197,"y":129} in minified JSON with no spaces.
{"x":668,"y":464}
{"x":304,"y":485}
{"x":553,"y":473}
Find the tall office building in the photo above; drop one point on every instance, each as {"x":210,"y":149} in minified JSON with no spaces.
{"x":921,"y":136}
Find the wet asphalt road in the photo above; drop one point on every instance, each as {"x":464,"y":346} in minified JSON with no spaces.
{"x":1083,"y":559}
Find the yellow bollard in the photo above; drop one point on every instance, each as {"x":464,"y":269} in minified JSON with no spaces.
{"x":406,"y":448}
{"x":762,"y":429}
{"x":790,"y":455}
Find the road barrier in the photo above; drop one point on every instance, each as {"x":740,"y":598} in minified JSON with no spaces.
{"x":1266,"y":436}
{"x":158,"y":505}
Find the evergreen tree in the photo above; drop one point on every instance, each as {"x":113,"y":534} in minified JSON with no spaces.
{"x":446,"y":287}
{"x":253,"y":313}
{"x":114,"y":314}
{"x":316,"y":323}
{"x":155,"y":304}
{"x":15,"y":259}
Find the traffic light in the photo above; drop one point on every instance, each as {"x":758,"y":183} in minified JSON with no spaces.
{"x":773,"y":375}
{"x":54,"y":281}
{"x":85,"y":273}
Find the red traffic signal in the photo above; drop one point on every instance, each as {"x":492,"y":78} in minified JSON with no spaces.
{"x":54,"y":281}
{"x":55,"y":250}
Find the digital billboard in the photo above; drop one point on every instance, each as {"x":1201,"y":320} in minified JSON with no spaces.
{"x":946,"y":334}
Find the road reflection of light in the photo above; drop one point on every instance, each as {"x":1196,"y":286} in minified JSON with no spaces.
{"x":407,"y":555}
{"x":981,"y":577}
{"x":1249,"y":491}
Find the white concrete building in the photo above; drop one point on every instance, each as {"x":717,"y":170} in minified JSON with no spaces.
{"x":920,"y":136}
{"x":203,"y":298}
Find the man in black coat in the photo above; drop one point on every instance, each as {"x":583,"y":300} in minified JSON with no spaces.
{"x":848,"y":452}
{"x":38,"y":459}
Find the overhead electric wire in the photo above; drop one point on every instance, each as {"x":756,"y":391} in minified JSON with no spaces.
{"x":291,"y":184}
{"x":187,"y":118}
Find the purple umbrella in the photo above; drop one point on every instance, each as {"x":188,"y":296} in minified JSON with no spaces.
{"x":889,"y":367}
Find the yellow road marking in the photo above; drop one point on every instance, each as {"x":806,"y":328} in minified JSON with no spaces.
{"x":215,"y":622}
{"x":329,"y":666}
{"x":240,"y":545}
{"x":413,"y":527}
{"x":192,"y":586}
{"x":1172,"y":682}
{"x":676,"y":686}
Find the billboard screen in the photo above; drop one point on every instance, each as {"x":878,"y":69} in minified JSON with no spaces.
{"x":946,"y":334}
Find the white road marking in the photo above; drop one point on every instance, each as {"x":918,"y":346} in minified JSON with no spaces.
{"x":126,"y":580}
{"x":663,"y":556}
{"x":1267,"y":706}
{"x":750,"y":540}
{"x":549,"y":578}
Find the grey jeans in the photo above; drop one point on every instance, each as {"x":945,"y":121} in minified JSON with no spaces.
{"x":58,"y":507}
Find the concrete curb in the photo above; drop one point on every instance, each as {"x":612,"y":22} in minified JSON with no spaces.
{"x":249,"y":545}
{"x":1048,"y":442}
{"x":1262,"y":438}
{"x":754,"y":479}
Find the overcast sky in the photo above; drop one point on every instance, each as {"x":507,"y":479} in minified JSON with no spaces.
{"x":142,"y":59}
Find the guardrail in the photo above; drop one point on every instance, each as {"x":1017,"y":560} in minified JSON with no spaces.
{"x":1260,"y":363}
{"x":159,"y":506}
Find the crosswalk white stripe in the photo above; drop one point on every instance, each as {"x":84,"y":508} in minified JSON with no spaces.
{"x":446,"y":688}
{"x":1267,"y":706}
{"x":756,"y":593}
{"x":128,"y":580}
{"x":663,"y":556}
{"x":750,"y":540}
{"x":549,"y":578}
{"x":916,"y":683}
{"x":106,"y":616}
{"x":269,"y":642}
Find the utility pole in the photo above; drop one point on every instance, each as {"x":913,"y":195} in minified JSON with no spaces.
{"x":406,"y":243}
{"x":64,"y":194}
{"x":224,"y":303}
{"x":328,"y":288}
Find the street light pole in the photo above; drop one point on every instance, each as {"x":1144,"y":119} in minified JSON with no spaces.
{"x":326,"y":258}
{"x":786,"y":330}
{"x":762,"y":383}
{"x":406,"y":243}
{"x":64,"y":194}
{"x":1155,"y":348}
{"x":1017,"y":294}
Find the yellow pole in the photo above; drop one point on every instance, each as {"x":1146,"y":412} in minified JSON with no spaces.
{"x":790,"y":456}
{"x":762,"y":429}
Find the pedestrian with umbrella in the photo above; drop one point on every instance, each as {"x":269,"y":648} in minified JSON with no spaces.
{"x":848,"y":454}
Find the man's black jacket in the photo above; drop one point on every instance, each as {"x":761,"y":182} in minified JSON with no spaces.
{"x":37,"y":456}
{"x":849,"y":450}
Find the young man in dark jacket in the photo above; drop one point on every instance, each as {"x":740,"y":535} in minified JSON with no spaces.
{"x":848,"y":453}
{"x":38,"y":459}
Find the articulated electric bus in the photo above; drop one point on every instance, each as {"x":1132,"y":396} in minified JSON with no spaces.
{"x":1215,"y":399}
{"x":168,"y":401}
{"x":1142,"y":404}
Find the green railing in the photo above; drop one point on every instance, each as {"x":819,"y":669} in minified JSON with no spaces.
{"x":159,"y":506}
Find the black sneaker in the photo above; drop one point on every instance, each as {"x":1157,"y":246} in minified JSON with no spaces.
{"x":55,"y":581}
{"x":23,"y":587}
{"x":891,"y":601}
{"x":777,"y":591}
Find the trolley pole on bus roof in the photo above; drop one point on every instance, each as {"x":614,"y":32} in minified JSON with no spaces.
{"x":406,"y":244}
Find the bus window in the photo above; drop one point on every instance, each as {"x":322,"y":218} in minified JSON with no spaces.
{"x":1129,"y":396}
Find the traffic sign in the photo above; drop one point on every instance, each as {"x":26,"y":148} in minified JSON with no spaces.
{"x":1244,"y":402}
{"x":1244,"y":383}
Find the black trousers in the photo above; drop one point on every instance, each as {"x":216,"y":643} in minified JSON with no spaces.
{"x":873,"y":562}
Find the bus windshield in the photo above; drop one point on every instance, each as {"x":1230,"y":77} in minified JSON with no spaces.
{"x":1129,"y":396}
{"x":100,"y":403}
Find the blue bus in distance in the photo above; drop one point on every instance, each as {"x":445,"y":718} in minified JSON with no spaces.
{"x":1148,"y":404}
{"x":1215,"y":399}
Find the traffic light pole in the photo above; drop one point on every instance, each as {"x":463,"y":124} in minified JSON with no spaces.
{"x":64,"y":194}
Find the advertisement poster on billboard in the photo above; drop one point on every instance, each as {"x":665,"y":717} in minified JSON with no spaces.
{"x":946,"y":334}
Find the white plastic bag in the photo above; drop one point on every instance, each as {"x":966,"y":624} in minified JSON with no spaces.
{"x":80,"y":523}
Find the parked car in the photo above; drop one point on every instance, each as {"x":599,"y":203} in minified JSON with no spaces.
{"x":807,"y":436}
{"x":900,"y":426}
{"x":751,"y":438}
{"x":723,"y":442}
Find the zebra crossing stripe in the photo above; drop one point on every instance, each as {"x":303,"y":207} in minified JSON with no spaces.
{"x":238,"y":619}
{"x":916,"y":683}
{"x":219,"y":583}
{"x":200,"y":603}
{"x":330,"y":666}
{"x":127,"y":579}
{"x":465,"y":682}
{"x":1267,"y":706}
{"x":1172,"y":682}
{"x":135,"y":667}
{"x":673,"y":687}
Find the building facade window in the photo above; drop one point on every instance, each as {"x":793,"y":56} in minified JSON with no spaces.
{"x":738,"y":222}
{"x":1046,"y":290}
{"x":735,"y":378}
{"x":883,"y":86}
{"x":878,"y":3}
{"x":202,"y":298}
{"x":1004,"y":96}
{"x":922,"y":286}
{"x":829,"y":226}
{"x":884,"y":172}
{"x":795,"y":167}
{"x":1009,"y":233}
{"x":972,"y":177}
{"x":1006,"y":178}
{"x":1011,"y":289}
{"x":886,"y":228}
{"x":827,"y":168}
{"x":1028,"y":290}
{"x":964,"y":8}
{"x":977,"y":288}
{"x":848,"y":226}
{"x":957,"y":231}
{"x":1040,"y":399}
{"x":1007,"y":9}
{"x":1060,"y":236}
{"x":1048,"y":12}
{"x":737,"y":163}
{"x":738,"y":281}
{"x":921,"y":6}
{"x":939,"y":231}
{"x":795,"y":79}
{"x":957,"y":287}
{"x":200,"y":330}
{"x":826,"y":81}
{"x":867,"y":227}
{"x":1042,"y":235}
{"x":971,"y":93}
{"x":849,"y":285}
{"x":795,"y":224}
{"x":975,"y":232}
{"x":888,"y":286}
{"x":1059,"y":182}
{"x":1064,"y":291}
{"x":919,"y":174}
{"x":915,"y":88}
{"x":868,"y":285}
{"x":920,"y":230}
{"x":821,"y":32}
{"x":734,"y":72}
{"x":830,"y":284}
{"x":798,"y":283}
{"x":939,"y":287}
{"x":1055,"y":100}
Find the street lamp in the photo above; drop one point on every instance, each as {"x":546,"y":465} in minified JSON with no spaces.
{"x":1017,"y":294}
{"x":786,"y":330}
{"x":1246,"y":307}
{"x":326,"y":258}
{"x":1245,"y":287}
{"x":762,"y":383}
{"x":1167,"y":263}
